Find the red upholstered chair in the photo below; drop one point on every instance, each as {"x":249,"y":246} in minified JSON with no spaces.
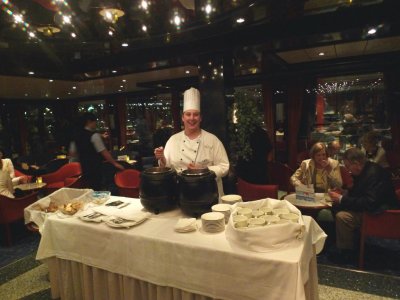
{"x":56,"y":180}
{"x":128,"y":182}
{"x":280,"y":174}
{"x":250,"y":191}
{"x":75,"y":182}
{"x":385,"y":225}
{"x":12,"y":210}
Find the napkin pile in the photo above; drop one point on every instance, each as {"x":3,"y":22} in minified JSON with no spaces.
{"x":185,"y":225}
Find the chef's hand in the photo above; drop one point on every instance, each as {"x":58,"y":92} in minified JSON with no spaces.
{"x":195,"y":166}
{"x":159,"y":153}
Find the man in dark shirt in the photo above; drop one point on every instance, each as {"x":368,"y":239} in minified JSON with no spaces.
{"x":372,"y":191}
{"x":91,"y":152}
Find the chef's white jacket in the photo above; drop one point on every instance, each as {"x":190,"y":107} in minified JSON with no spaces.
{"x":206,"y":150}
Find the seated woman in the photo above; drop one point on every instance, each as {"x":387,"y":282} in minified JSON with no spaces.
{"x":373,"y":150}
{"x":320,"y":171}
{"x":6,"y":186}
{"x":7,"y":165}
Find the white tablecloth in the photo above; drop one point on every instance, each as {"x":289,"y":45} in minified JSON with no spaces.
{"x":153,"y":253}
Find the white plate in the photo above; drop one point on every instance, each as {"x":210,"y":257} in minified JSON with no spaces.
{"x":125,"y":224}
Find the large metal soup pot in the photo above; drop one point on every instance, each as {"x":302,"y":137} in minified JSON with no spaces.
{"x":158,"y":189}
{"x":197,"y":191}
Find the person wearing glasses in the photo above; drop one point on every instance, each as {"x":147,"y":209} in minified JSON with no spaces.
{"x":372,"y":191}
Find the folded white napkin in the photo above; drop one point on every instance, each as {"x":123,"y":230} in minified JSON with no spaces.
{"x":185,"y":225}
{"x":128,"y":213}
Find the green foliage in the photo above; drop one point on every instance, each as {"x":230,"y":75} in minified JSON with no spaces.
{"x":248,"y":117}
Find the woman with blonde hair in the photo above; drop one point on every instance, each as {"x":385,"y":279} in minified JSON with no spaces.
{"x":321,"y":171}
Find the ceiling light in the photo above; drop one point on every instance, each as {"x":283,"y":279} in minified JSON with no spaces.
{"x":372,"y":31}
{"x":144,"y":28}
{"x":31,"y":73}
{"x":240,"y":20}
{"x":74,"y":87}
{"x":18,"y":19}
{"x":48,"y":30}
{"x":111,"y":15}
{"x":110,"y":33}
{"x":124,"y":44}
{"x":321,"y":53}
{"x":123,"y":80}
{"x":51,"y":80}
{"x":73,"y":34}
{"x":187,"y":72}
{"x":144,"y":5}
{"x":31,"y":34}
{"x":114,"y":71}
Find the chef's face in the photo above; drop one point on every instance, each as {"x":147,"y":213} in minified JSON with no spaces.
{"x":191,"y":119}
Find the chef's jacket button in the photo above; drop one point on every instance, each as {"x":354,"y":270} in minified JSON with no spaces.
{"x":181,"y":158}
{"x":183,"y":149}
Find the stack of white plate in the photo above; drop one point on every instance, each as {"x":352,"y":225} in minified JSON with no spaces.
{"x":213,"y":222}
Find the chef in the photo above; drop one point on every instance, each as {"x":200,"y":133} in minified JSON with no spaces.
{"x":194,"y":147}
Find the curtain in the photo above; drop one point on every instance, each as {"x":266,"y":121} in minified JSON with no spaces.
{"x":296,"y":88}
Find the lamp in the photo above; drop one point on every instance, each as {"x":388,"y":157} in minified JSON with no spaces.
{"x":111,"y":15}
{"x":48,"y":30}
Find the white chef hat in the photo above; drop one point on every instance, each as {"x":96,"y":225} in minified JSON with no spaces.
{"x":191,"y":99}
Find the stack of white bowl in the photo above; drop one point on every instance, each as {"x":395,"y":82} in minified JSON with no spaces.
{"x":222,"y":208}
{"x":231,"y":199}
{"x":213,"y":222}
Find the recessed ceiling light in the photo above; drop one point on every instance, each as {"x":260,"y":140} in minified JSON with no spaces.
{"x":73,"y":34}
{"x":74,"y":87}
{"x":321,"y":53}
{"x":144,"y":28}
{"x":69,"y":93}
{"x":26,"y":95}
{"x":114,"y":71}
{"x":123,"y":80}
{"x":187,"y":72}
{"x":31,"y":73}
{"x":121,"y":86}
{"x":124,"y":44}
{"x":58,"y":98}
{"x":51,"y":80}
{"x":372,"y":31}
{"x":240,"y":20}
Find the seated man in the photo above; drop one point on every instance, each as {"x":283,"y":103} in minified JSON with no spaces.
{"x":372,"y":191}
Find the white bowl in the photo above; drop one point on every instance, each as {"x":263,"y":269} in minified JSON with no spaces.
{"x":290,"y":216}
{"x":244,"y":211}
{"x":222,"y":208}
{"x":231,"y":199}
{"x":253,"y":222}
{"x":240,"y":221}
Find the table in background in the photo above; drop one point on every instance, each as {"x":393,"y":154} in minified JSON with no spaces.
{"x":151,"y":261}
{"x":33,"y":186}
{"x":309,"y":208}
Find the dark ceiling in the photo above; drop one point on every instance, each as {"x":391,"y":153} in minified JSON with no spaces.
{"x":279,"y":26}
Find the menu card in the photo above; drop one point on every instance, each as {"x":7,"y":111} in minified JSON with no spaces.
{"x":306,"y":193}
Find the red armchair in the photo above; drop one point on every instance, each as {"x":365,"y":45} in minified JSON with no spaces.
{"x":250,"y":191}
{"x":280,"y":174}
{"x":56,"y":180}
{"x":12,"y":210}
{"x":128,"y":182}
{"x":385,"y":225}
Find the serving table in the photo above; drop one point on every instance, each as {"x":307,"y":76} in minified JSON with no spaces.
{"x":151,"y":261}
